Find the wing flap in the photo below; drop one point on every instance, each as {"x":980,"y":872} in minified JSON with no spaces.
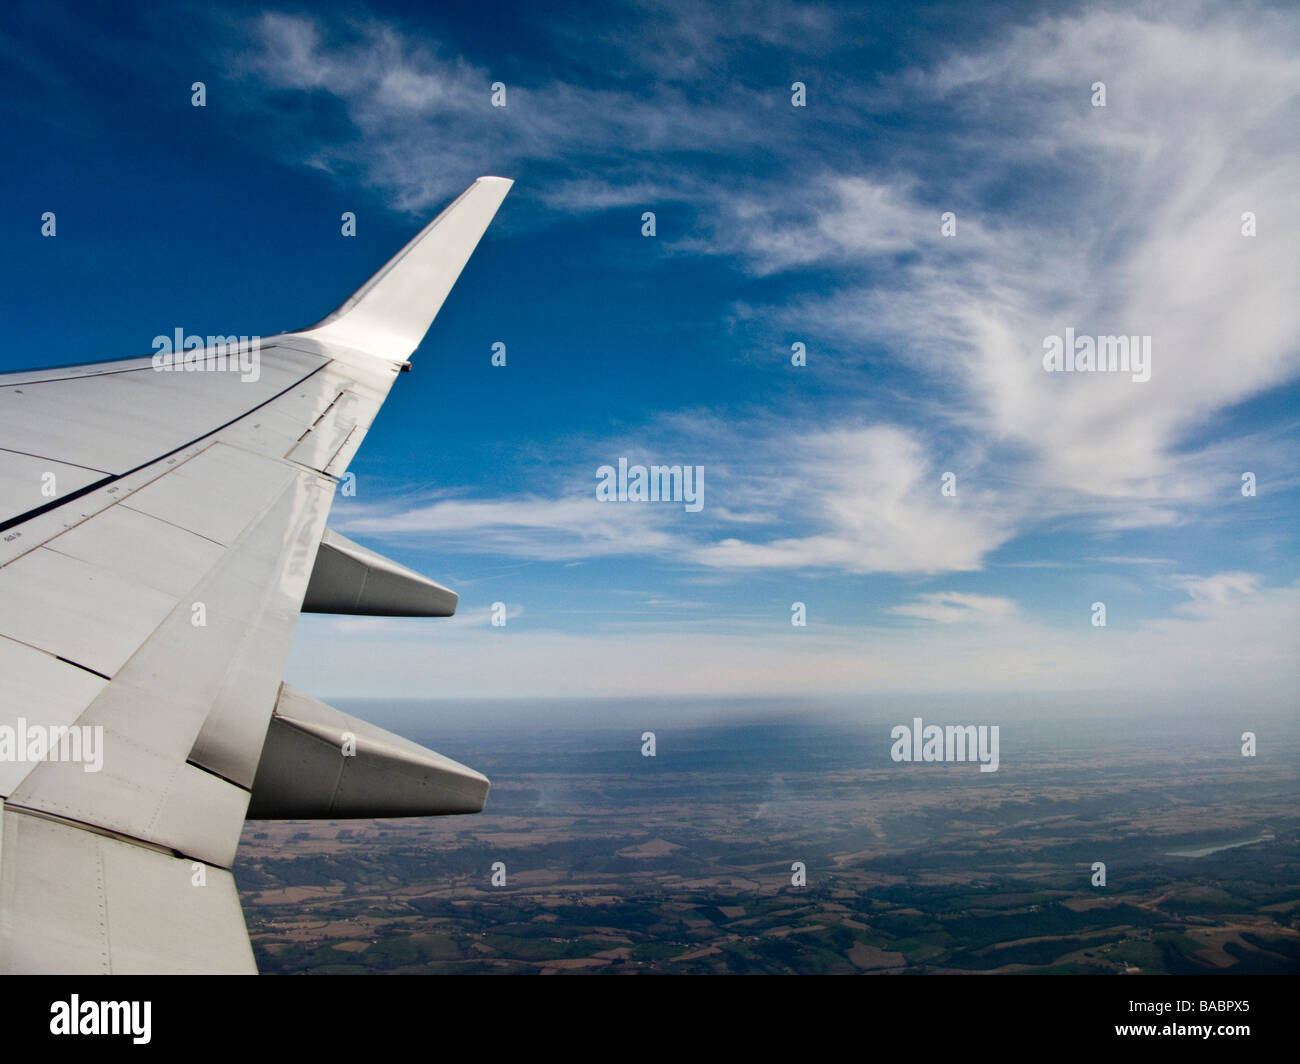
{"x":44,"y":692}
{"x":73,"y":901}
{"x":78,"y":611}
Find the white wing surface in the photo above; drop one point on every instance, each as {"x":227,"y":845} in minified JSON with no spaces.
{"x":160,"y":531}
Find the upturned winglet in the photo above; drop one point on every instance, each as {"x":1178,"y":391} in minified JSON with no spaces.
{"x":388,"y":315}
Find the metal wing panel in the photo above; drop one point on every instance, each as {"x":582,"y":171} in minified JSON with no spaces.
{"x":118,"y":421}
{"x":42,"y":692}
{"x":83,"y":369}
{"x":135,"y":546}
{"x":359,"y":386}
{"x":76,"y":901}
{"x":78,"y":611}
{"x":317,"y":449}
{"x":213,"y":494}
{"x":28,"y":481}
{"x":31,"y":531}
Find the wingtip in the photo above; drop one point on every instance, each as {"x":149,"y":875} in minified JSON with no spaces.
{"x":389,"y":315}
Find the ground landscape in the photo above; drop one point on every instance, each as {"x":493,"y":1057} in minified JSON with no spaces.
{"x":682,"y":862}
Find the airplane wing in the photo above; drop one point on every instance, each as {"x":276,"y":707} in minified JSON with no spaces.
{"x":162,"y":525}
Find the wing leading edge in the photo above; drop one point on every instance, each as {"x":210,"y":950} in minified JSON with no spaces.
{"x":159,"y":533}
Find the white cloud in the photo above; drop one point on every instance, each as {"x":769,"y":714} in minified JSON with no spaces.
{"x":1130,"y":224}
{"x":421,"y":124}
{"x":1219,"y":589}
{"x":953,"y":607}
{"x":1242,"y":649}
{"x":863,"y":499}
{"x":1125,"y":559}
{"x":871,"y":498}
{"x":551,"y":529}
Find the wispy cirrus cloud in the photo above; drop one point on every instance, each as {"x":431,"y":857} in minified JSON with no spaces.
{"x":1123,"y":219}
{"x":871,"y":501}
{"x":846,"y":498}
{"x":420,"y":121}
{"x":531,"y":526}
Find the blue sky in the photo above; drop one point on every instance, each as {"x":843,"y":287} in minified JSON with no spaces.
{"x":775,"y":224}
